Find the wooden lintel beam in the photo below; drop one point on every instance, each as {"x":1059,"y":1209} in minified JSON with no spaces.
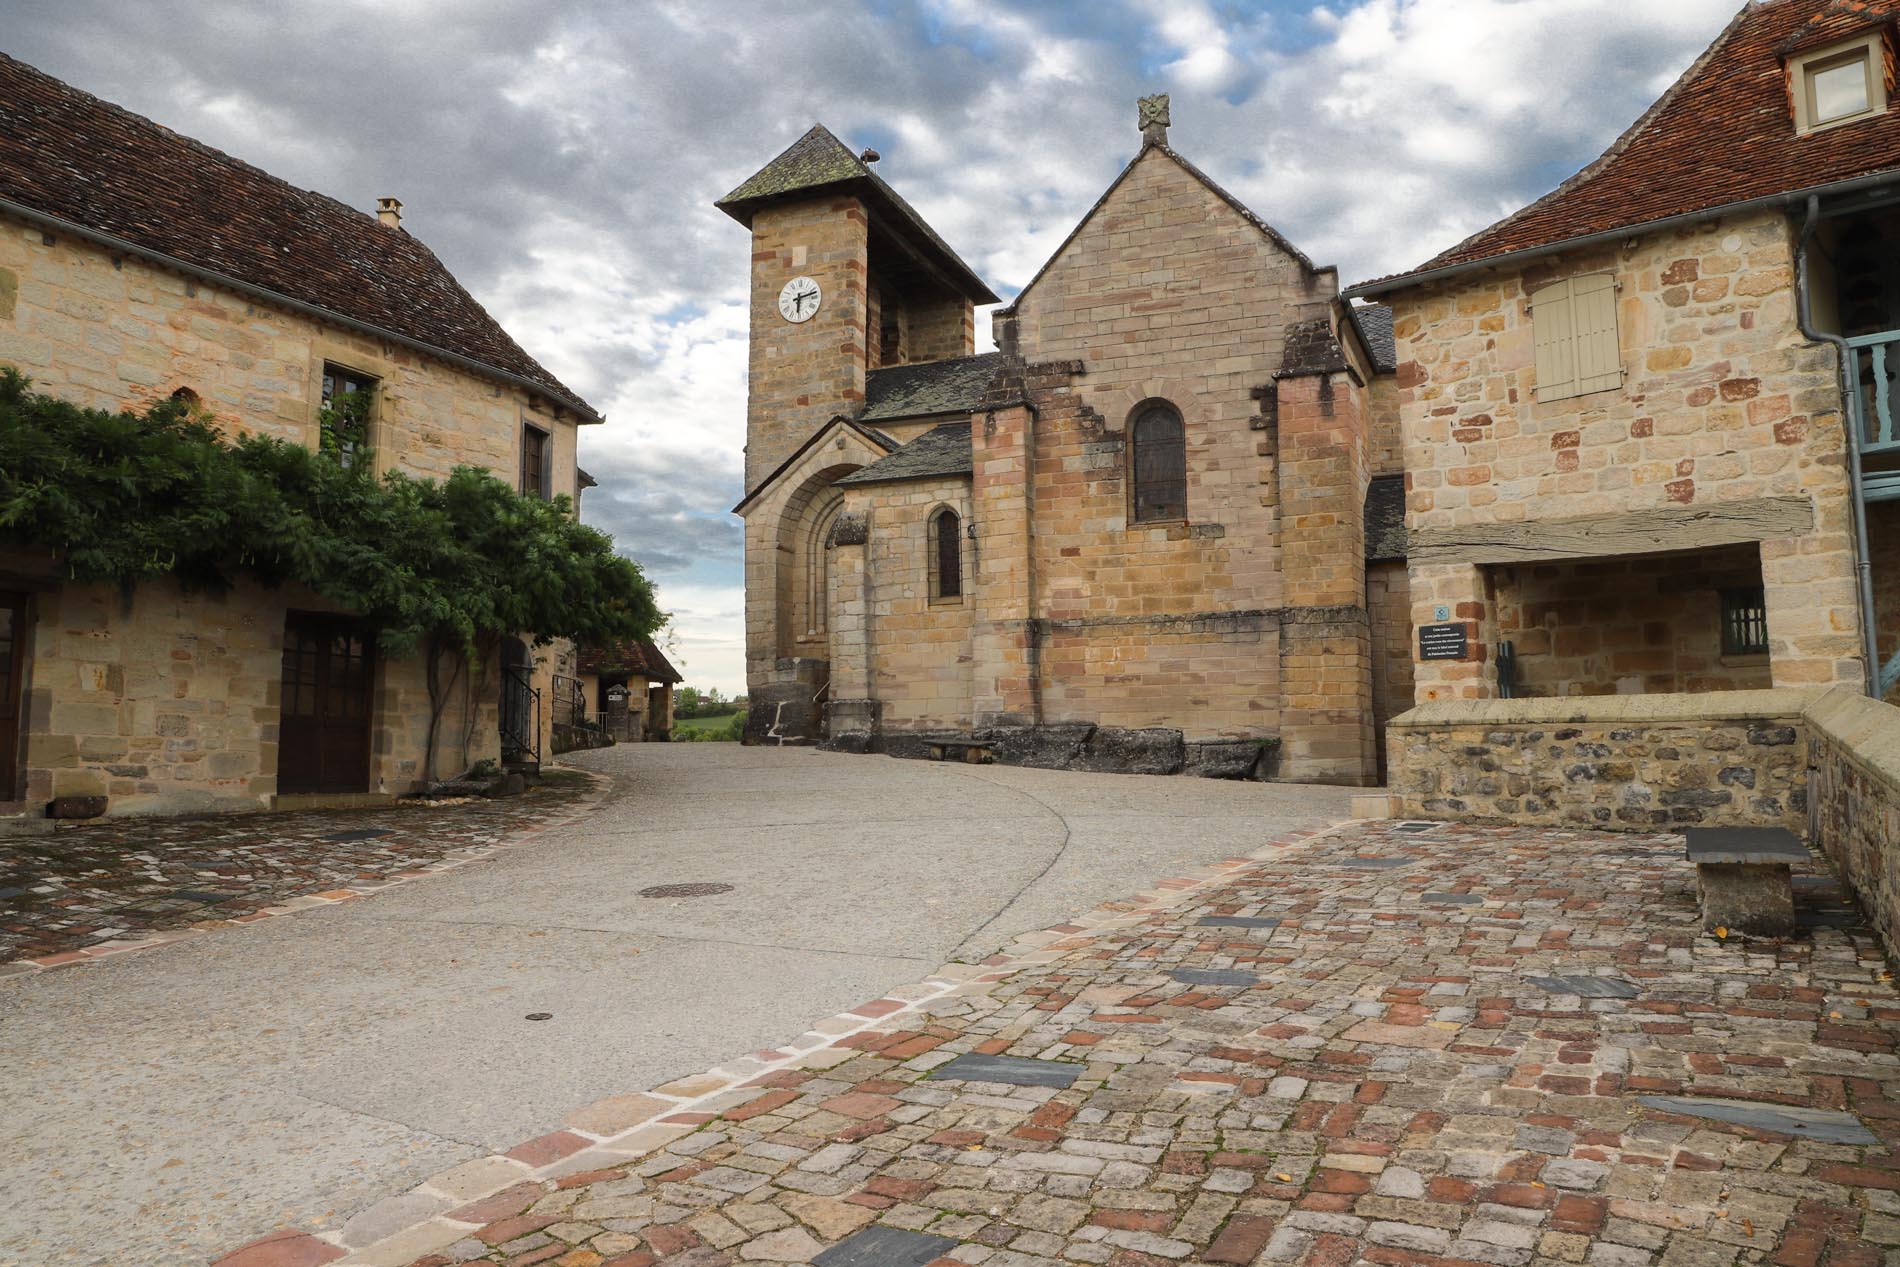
{"x":1653,"y":531}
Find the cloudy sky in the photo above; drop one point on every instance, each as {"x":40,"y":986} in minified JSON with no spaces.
{"x":562,"y":157}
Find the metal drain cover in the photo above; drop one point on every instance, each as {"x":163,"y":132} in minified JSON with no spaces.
{"x":685,"y":890}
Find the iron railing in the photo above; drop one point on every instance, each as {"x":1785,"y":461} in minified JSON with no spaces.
{"x":520,"y":718}
{"x":570,"y":702}
{"x":1874,"y":416}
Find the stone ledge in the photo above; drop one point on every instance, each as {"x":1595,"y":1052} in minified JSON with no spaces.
{"x":1779,"y":704}
{"x":1862,"y":728}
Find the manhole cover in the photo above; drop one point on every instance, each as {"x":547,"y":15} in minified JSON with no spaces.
{"x":685,"y":890}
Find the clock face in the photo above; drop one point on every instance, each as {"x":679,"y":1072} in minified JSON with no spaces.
{"x":799,"y":300}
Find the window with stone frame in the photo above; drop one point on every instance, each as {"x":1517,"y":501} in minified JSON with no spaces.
{"x":536,"y":469}
{"x":1745,"y":621}
{"x":349,"y":396}
{"x":946,"y":555}
{"x":1157,"y":463}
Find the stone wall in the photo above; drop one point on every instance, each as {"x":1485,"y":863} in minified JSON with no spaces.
{"x":166,"y":701}
{"x":1642,"y":624}
{"x":1722,"y":400}
{"x":1389,"y":604}
{"x":1854,"y":755}
{"x":116,"y":333}
{"x":1618,"y":763}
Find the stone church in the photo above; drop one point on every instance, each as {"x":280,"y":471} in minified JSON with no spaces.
{"x":1159,"y":529}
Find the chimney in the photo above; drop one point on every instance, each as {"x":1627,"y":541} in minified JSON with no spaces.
{"x":389,"y":211}
{"x":1152,"y":112}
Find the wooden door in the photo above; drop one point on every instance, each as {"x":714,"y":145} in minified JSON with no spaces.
{"x":13,"y":635}
{"x":323,"y":741}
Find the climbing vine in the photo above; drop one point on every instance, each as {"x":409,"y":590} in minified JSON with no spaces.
{"x":133,"y":496}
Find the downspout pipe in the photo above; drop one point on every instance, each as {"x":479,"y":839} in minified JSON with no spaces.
{"x":1850,"y":415}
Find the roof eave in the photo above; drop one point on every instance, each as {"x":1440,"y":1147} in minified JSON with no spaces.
{"x":1405,"y":281}
{"x":113,"y":242}
{"x":960,"y":275}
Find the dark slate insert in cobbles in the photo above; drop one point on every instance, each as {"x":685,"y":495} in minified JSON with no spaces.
{"x":1236,"y":921}
{"x":1213,"y":976}
{"x":1826,"y":1125}
{"x":882,"y":1246}
{"x":1455,"y":899}
{"x":361,"y":833}
{"x":1016,"y":1070}
{"x":1412,"y":828}
{"x":1373,"y":864}
{"x":1588,"y":987}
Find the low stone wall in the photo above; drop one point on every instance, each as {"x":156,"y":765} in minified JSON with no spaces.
{"x":1619,"y":762}
{"x":1854,"y":758}
{"x":1081,"y":746}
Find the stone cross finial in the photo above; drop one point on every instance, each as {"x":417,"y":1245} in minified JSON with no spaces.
{"x":1153,"y":114}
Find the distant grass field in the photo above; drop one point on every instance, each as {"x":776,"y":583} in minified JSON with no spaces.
{"x":703,"y":725}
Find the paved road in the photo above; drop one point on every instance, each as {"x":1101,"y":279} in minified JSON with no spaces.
{"x":162,"y":1106}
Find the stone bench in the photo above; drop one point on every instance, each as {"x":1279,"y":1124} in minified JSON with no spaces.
{"x":970,"y":751}
{"x":1744,"y":878}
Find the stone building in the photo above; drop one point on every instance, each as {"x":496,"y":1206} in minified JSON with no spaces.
{"x":1133,"y":537}
{"x":1628,"y":453}
{"x":136,"y":264}
{"x":625,"y":690}
{"x":1652,"y":465}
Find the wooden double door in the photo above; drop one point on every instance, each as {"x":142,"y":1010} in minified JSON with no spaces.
{"x":323,"y":740}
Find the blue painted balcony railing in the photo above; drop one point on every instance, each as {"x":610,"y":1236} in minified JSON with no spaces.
{"x":1875,"y":423}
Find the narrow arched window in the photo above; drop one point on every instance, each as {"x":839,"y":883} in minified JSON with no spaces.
{"x":946,"y":538}
{"x":1159,"y":461}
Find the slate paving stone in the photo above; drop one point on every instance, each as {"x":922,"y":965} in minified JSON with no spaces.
{"x":886,"y":1247}
{"x":1587,"y":986}
{"x":1372,"y":864}
{"x":1824,"y":1125}
{"x":976,"y":1067}
{"x":110,"y":878}
{"x":1237,"y":921}
{"x":1455,"y":899}
{"x":1213,"y":976}
{"x":1413,"y":829}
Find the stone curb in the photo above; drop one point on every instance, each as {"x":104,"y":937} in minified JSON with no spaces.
{"x":516,"y":837}
{"x":399,"y":1229}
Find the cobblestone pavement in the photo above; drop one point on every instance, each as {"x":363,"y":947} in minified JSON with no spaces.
{"x":1342,"y":1055}
{"x":90,"y":884}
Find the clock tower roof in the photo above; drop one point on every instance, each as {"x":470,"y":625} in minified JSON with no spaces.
{"x":818,"y":163}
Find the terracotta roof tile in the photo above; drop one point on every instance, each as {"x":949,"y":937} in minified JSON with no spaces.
{"x":637,"y":657}
{"x":1723,"y":134}
{"x":67,"y":154}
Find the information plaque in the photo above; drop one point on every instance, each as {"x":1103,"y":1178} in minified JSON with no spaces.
{"x":1442,"y":642}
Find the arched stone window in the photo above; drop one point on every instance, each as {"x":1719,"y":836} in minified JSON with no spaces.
{"x":946,"y":554}
{"x":1157,"y":461}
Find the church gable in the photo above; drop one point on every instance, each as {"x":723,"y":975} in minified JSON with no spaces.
{"x":1165,"y":247}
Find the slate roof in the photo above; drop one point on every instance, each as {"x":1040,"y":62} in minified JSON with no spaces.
{"x":636,"y":658}
{"x":1385,"y":518}
{"x":1723,"y":134}
{"x":1374,"y":322}
{"x":69,"y":155}
{"x":929,"y":387}
{"x":819,"y":160}
{"x":941,"y":451}
{"x":1311,"y":348}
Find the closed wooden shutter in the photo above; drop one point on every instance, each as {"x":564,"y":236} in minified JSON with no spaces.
{"x":1574,"y":322}
{"x":1593,"y":312}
